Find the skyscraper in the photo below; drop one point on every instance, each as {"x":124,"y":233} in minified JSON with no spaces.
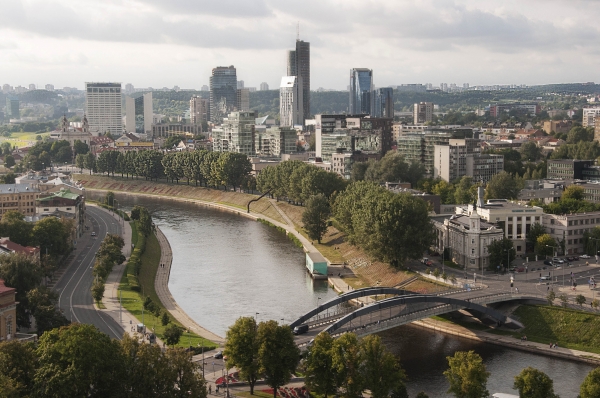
{"x":383,"y":102}
{"x":12,"y":108}
{"x":243,"y":99}
{"x":423,"y":112}
{"x":138,"y":112}
{"x":298,"y":64}
{"x":199,"y":110}
{"x":264,"y":86}
{"x":223,"y":92}
{"x":291,"y":106}
{"x":103,"y":107}
{"x":361,"y":83}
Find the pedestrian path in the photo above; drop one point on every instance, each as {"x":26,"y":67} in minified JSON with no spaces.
{"x":161,"y":285}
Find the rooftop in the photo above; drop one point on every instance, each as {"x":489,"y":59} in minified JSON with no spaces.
{"x":16,"y":188}
{"x":464,"y":221}
{"x":63,"y":194}
{"x":5,"y":289}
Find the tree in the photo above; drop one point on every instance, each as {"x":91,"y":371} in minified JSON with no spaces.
{"x":580,"y":299}
{"x":241,"y":349}
{"x":573,"y":192}
{"x":319,"y":373}
{"x":22,"y":273}
{"x":78,"y":360}
{"x":545,"y":245}
{"x":172,"y":334}
{"x":80,"y":148}
{"x":503,"y":186}
{"x":551,"y":297}
{"x":532,"y":383}
{"x":422,"y":395}
{"x":109,"y":198}
{"x":381,"y":371}
{"x":590,"y":388}
{"x":502,"y":253}
{"x":530,"y":151}
{"x":278,"y":354}
{"x":346,"y":364}
{"x":80,"y":161}
{"x":17,"y":366}
{"x":564,"y":299}
{"x":467,"y":375}
{"x":9,"y":161}
{"x":5,"y":148}
{"x":52,"y":235}
{"x":90,"y":162}
{"x":463,"y":194}
{"x":315,"y":216}
{"x":536,"y":230}
{"x":164,"y":320}
{"x":13,"y":224}
{"x":98,"y":291}
{"x":43,"y":305}
{"x":579,"y":133}
{"x":186,"y":378}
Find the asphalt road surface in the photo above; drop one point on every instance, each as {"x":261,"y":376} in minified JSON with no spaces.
{"x":75,"y":297}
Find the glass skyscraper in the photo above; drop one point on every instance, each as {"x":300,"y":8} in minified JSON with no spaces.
{"x":361,"y":87}
{"x":223,"y":92}
{"x":383,"y":102}
{"x":298,"y":64}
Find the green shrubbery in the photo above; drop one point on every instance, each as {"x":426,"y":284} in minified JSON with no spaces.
{"x":291,"y":237}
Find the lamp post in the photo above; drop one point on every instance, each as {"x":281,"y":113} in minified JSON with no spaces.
{"x":555,"y":254}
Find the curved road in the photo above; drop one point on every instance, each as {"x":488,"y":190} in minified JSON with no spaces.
{"x":75,"y":297}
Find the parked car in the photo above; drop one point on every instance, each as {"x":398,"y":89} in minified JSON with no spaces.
{"x":575,"y":258}
{"x":545,"y":278}
{"x":219,"y":355}
{"x":93,"y":233}
{"x":584,"y":256}
{"x":560,"y":261}
{"x":424,"y":260}
{"x":547,"y":262}
{"x":521,"y":269}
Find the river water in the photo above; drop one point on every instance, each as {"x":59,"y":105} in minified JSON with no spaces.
{"x":226,"y":266}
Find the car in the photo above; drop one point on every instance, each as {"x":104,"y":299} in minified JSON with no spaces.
{"x":584,"y":256}
{"x":547,"y":262}
{"x":300,"y":330}
{"x":539,"y":268}
{"x":93,"y":233}
{"x":560,"y":261}
{"x":544,"y":268}
{"x":424,"y":260}
{"x":521,"y":269}
{"x":429,"y":263}
{"x":575,"y":258}
{"x":219,"y":355}
{"x":545,"y":278}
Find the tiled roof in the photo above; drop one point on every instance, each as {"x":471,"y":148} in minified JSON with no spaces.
{"x":5,"y":289}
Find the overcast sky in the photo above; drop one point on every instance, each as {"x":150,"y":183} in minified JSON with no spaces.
{"x":177,"y":42}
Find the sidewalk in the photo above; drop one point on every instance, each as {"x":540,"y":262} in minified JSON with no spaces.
{"x":162,"y":290}
{"x":111,"y":292}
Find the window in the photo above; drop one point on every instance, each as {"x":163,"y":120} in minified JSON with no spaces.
{"x":552,"y":221}
{"x":570,"y":232}
{"x":570,"y":223}
{"x":551,"y":230}
{"x":68,"y":208}
{"x":518,"y":248}
{"x":472,"y":251}
{"x":46,"y":209}
{"x":570,"y":241}
{"x":472,"y":241}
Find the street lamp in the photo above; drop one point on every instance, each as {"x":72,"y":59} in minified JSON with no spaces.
{"x":556,"y":255}
{"x":508,"y":258}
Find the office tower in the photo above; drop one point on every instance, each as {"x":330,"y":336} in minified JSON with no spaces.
{"x":240,"y":84}
{"x":264,"y":86}
{"x":129,"y":89}
{"x":49,"y":87}
{"x":223,"y":92}
{"x":138,"y":113}
{"x":361,"y":83}
{"x":32,"y":87}
{"x":298,"y":64}
{"x":291,"y":106}
{"x":423,"y":112}
{"x":199,"y":110}
{"x":383,"y":102}
{"x":237,"y":133}
{"x":7,"y":88}
{"x":243,"y":99}
{"x":103,"y":108}
{"x":12,"y":108}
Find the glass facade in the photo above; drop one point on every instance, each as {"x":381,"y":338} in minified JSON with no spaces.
{"x":361,"y":84}
{"x":223,"y":92}
{"x":383,"y":102}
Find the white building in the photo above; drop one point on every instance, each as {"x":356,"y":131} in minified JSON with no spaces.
{"x":103,"y":107}
{"x":290,"y":101}
{"x":138,"y":114}
{"x":199,"y":110}
{"x":588,"y":116}
{"x":568,"y":229}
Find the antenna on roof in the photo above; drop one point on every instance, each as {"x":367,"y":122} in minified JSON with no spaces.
{"x":298,"y":31}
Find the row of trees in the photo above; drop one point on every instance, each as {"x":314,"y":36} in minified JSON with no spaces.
{"x":389,"y":227}
{"x":392,"y":167}
{"x":80,"y":361}
{"x":44,"y":153}
{"x":109,"y":254}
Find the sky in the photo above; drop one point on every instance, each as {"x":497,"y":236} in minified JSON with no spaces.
{"x":163,"y":43}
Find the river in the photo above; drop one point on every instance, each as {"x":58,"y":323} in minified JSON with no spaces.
{"x":226,"y":266}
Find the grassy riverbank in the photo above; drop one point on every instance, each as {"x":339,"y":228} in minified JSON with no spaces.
{"x":133,"y":300}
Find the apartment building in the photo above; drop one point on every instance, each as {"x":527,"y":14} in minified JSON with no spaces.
{"x":18,"y":197}
{"x":589,"y":115}
{"x":422,"y":112}
{"x":567,"y":169}
{"x":568,"y":229}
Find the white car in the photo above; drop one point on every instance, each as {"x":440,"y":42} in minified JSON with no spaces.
{"x":584,"y":256}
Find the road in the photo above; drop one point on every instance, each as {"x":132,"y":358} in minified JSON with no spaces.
{"x":75,"y":297}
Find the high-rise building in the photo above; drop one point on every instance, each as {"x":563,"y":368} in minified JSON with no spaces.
{"x":383,"y":102}
{"x":264,"y":86}
{"x":199,"y":110}
{"x":12,"y":108}
{"x":298,"y":64}
{"x":138,"y":112}
{"x":32,"y":87}
{"x":223,"y":92}
{"x":49,"y":87}
{"x":236,"y":134}
{"x":243,"y":99}
{"x":240,"y":84}
{"x":103,"y":108}
{"x":129,"y":89}
{"x":361,"y":88}
{"x":589,"y":114}
{"x":423,"y":112}
{"x":204,"y":88}
{"x":291,"y":106}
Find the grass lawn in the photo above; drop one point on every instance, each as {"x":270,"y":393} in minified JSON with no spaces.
{"x":133,"y":301}
{"x":134,"y":233}
{"x":23,"y":139}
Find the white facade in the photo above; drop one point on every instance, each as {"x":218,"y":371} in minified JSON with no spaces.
{"x":588,"y":116}
{"x":198,"y":110}
{"x":290,"y":101}
{"x":103,"y":107}
{"x":138,"y":112}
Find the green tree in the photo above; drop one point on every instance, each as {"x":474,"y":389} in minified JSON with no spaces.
{"x":241,"y":349}
{"x":445,"y":191}
{"x":78,"y":361}
{"x":51,"y":234}
{"x":164,"y":320}
{"x":573,"y":192}
{"x":545,"y":245}
{"x":80,"y":148}
{"x":80,"y":161}
{"x":579,"y":133}
{"x":22,"y":273}
{"x":9,"y":161}
{"x":463,"y":194}
{"x":172,"y":334}
{"x":17,"y":365}
{"x":346,"y":363}
{"x":502,"y":253}
{"x":503,"y":186}
{"x":43,"y":305}
{"x":315,"y":216}
{"x":564,"y":299}
{"x":532,"y":383}
{"x":90,"y":162}
{"x":580,"y":299}
{"x":109,"y":198}
{"x":278,"y":354}
{"x":551,"y":297}
{"x":98,"y":291}
{"x":467,"y":375}
{"x":530,"y":151}
{"x":534,"y":233}
{"x":590,"y":388}
{"x":319,"y":373}
{"x":381,"y":371}
{"x":5,"y":148}
{"x":13,"y":224}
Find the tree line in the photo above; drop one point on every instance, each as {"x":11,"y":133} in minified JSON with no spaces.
{"x":45,"y":153}
{"x":80,"y":361}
